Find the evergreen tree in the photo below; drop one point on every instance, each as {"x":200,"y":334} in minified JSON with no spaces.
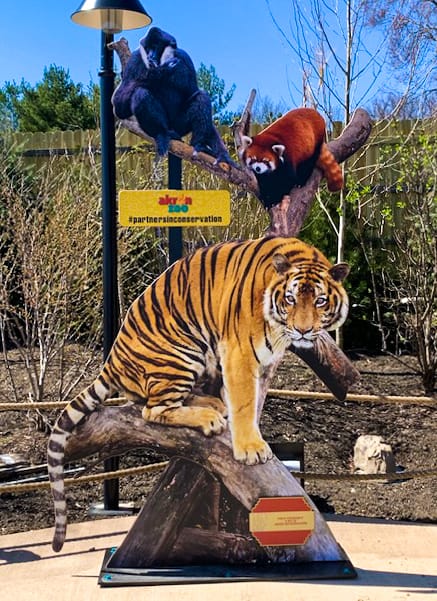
{"x":55,"y":103}
{"x":209,"y":81}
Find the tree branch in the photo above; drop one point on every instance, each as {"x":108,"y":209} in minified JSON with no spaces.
{"x":286,"y":218}
{"x":115,"y":430}
{"x":235,"y":175}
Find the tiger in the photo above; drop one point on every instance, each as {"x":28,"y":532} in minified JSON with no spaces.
{"x":226,"y":314}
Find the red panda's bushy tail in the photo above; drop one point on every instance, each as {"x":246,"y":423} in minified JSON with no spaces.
{"x":331,"y":169}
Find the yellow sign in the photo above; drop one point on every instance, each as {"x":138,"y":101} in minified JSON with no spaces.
{"x":174,"y":208}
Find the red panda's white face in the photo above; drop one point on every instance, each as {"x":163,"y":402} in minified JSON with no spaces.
{"x":261,"y":165}
{"x":259,"y":159}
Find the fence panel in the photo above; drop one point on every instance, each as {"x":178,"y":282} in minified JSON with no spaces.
{"x":375,"y":165}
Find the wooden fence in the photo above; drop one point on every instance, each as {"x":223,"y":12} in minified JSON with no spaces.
{"x":375,"y":165}
{"x":135,"y":156}
{"x":385,"y":136}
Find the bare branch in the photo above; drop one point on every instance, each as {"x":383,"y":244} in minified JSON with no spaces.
{"x":228,"y":172}
{"x":242,"y":127}
{"x":288,"y":217}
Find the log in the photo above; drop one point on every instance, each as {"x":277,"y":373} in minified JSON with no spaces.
{"x":115,"y":430}
{"x":162,"y":516}
{"x":162,"y":533}
{"x":332,"y":366}
{"x":196,"y":546}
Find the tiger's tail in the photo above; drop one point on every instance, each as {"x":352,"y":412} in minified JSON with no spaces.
{"x":79,"y":408}
{"x":331,"y":169}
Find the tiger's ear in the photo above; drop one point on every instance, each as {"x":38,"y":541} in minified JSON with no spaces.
{"x":281,"y":263}
{"x":339,"y":272}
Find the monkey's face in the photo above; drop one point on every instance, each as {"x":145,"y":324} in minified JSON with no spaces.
{"x":159,"y":46}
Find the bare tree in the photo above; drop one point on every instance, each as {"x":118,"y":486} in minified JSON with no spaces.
{"x":411,"y":278}
{"x":48,"y":256}
{"x":410,"y":28}
{"x":340,"y":66}
{"x":329,"y":42}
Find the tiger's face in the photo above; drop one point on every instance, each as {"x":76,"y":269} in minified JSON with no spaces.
{"x":306,"y":298}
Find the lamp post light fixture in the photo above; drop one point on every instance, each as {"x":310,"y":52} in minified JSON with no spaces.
{"x":110,"y":16}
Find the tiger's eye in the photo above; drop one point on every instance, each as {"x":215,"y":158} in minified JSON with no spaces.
{"x":289,"y":298}
{"x":321,"y":301}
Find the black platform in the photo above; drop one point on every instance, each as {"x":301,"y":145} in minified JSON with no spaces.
{"x":192,"y":530}
{"x":287,"y":572}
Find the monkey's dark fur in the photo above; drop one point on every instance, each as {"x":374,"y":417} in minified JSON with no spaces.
{"x":159,"y":87}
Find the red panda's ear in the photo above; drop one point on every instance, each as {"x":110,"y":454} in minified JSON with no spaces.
{"x":278,"y":149}
{"x":245,"y":142}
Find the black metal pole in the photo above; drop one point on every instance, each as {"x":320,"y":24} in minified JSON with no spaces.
{"x":111,"y":311}
{"x":175,"y":242}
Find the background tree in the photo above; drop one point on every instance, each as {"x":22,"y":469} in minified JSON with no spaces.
{"x":410,"y":28}
{"x":49,"y":265}
{"x":399,"y":234}
{"x":209,"y":81}
{"x":55,"y":103}
{"x":328,"y":40}
{"x":8,"y":117}
{"x":340,"y":66}
{"x":397,"y":105}
{"x":266,"y":110}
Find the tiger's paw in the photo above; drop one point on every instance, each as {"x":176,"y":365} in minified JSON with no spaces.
{"x":254,"y":452}
{"x":205,"y":400}
{"x":211,"y":422}
{"x":206,"y":419}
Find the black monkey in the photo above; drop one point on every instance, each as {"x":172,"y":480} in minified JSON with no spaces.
{"x":159,"y":87}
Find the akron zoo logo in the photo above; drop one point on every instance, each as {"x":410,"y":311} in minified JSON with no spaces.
{"x":176,"y":204}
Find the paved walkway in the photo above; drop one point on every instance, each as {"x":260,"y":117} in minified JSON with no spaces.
{"x":394,"y":561}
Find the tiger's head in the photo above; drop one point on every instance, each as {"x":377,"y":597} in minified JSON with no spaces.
{"x":305,"y":298}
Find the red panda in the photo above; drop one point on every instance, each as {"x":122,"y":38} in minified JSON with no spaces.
{"x":284,"y":154}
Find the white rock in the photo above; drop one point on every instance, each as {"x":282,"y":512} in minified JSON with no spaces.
{"x":373,"y":456}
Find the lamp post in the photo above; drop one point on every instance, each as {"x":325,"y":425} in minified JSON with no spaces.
{"x":110,"y":16}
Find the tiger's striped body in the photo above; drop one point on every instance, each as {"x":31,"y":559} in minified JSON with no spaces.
{"x":224,"y":315}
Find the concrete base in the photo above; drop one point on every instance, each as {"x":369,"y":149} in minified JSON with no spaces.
{"x":395,"y":562}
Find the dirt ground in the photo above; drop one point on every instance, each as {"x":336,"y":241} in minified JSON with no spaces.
{"x":328,"y":429}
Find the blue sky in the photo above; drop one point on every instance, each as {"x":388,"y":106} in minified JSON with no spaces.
{"x":238,"y":37}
